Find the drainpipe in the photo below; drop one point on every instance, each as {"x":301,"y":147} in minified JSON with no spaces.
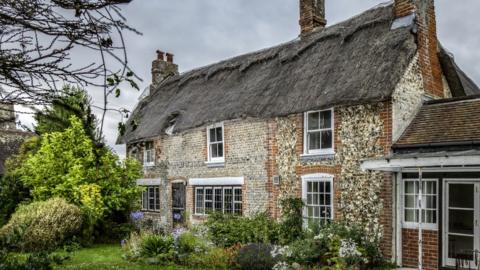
{"x":420,"y":219}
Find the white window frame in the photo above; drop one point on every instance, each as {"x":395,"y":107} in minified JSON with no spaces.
{"x":222,"y":188}
{"x":414,"y":225}
{"x":217,"y":159}
{"x":321,"y":178}
{"x":327,"y":151}
{"x":156,"y":193}
{"x":145,"y":155}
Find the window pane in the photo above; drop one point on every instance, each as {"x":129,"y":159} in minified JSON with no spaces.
{"x":326,"y":119}
{"x":151,"y":198}
{"x":410,"y":201}
{"x":315,"y":187}
{"x":228,"y":199}
{"x":410,"y":215}
{"x":327,"y":187}
{"x":214,"y":150}
{"x":212,"y":135}
{"x":313,"y":140}
{"x":220,"y":149}
{"x":157,"y":198}
{"x":313,"y":121}
{"x":199,"y":201}
{"x":219,"y":134}
{"x":410,"y":187}
{"x":327,"y":139}
{"x":208,"y":194}
{"x":218,"y":200}
{"x":145,"y":199}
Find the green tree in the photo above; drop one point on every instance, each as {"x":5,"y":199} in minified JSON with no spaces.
{"x":72,"y":101}
{"x":67,"y":165}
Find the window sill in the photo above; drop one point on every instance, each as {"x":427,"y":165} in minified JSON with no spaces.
{"x":150,"y":165}
{"x":215,"y":164}
{"x":318,"y":156}
{"x":414,"y":226}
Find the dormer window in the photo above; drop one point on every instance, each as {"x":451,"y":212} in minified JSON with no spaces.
{"x":319,"y":133}
{"x":215,"y":143}
{"x":149,"y":155}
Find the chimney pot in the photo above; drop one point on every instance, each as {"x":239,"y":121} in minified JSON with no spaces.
{"x":169,"y":58}
{"x":160,"y":55}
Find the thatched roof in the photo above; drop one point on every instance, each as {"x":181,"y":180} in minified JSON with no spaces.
{"x":357,"y":61}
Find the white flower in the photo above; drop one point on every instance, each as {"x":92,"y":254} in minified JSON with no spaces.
{"x":281,"y":251}
{"x":348,"y":249}
{"x":281,"y":266}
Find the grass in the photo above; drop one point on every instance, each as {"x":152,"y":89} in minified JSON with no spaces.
{"x":106,"y":257}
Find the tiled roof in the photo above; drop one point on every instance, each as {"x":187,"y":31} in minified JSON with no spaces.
{"x":444,"y":122}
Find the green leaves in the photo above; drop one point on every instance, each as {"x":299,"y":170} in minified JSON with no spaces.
{"x":68,"y":165}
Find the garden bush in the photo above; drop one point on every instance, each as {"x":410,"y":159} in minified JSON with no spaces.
{"x":255,"y":257}
{"x":291,"y":226}
{"x":42,"y":226}
{"x":150,"y":248}
{"x":228,"y":230}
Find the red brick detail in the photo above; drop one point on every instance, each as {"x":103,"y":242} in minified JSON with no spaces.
{"x":410,"y":248}
{"x":271,"y":167}
{"x":386,"y":195}
{"x":427,"y":42}
{"x":403,"y":8}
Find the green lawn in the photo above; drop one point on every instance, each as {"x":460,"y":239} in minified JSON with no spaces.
{"x":106,"y":257}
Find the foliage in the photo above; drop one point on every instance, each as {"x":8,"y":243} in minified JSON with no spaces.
{"x":228,"y":230}
{"x":213,"y":258}
{"x":291,"y":227}
{"x":189,"y":243}
{"x":41,"y":226}
{"x":159,"y":247}
{"x":68,"y":166}
{"x":255,"y":257}
{"x":109,"y":257}
{"x":150,"y":248}
{"x":35,"y":261}
{"x":12,"y":190}
{"x":71,"y":101}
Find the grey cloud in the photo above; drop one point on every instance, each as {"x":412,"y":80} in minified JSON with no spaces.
{"x":200,"y":32}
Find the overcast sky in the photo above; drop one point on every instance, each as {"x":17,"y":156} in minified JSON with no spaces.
{"x":200,"y":32}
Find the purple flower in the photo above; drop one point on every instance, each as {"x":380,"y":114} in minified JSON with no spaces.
{"x":136,"y":216}
{"x":123,"y":242}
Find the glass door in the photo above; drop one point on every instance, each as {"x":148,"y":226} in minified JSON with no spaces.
{"x":461,"y":220}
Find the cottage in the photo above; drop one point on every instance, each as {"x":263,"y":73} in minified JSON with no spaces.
{"x":297,"y":120}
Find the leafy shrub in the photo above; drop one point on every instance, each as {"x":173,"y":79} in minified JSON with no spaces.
{"x":347,"y":246}
{"x":151,"y":248}
{"x":228,"y":230}
{"x":291,"y":227}
{"x":189,"y":243}
{"x":214,"y":258}
{"x":255,"y":257}
{"x":41,"y":226}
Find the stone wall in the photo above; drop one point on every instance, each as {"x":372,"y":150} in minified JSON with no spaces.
{"x":407,"y":98}
{"x":183,"y":156}
{"x":7,"y":117}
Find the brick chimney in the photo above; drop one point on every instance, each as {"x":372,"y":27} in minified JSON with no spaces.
{"x":427,"y":41}
{"x":312,"y":15}
{"x":162,"y":68}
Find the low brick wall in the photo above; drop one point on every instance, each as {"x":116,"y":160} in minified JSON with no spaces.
{"x":410,"y":248}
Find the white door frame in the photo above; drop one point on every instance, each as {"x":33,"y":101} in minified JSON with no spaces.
{"x":445,"y":229}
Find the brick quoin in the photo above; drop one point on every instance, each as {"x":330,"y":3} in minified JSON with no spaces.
{"x":427,"y":42}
